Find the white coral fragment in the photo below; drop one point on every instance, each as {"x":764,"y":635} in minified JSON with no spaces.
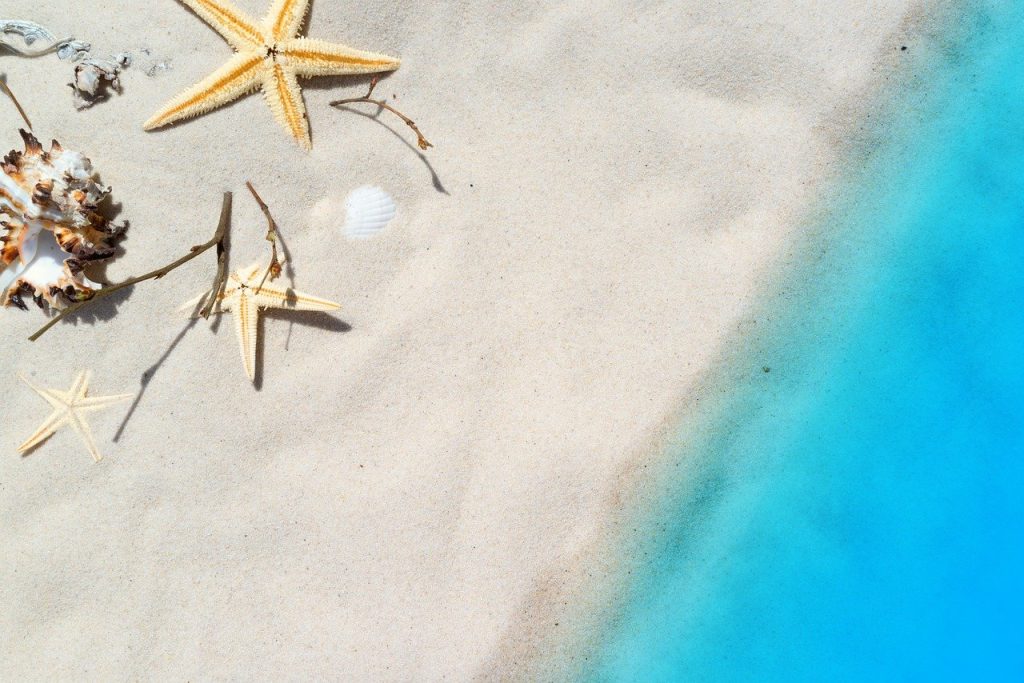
{"x":21,"y":37}
{"x":93,"y":77}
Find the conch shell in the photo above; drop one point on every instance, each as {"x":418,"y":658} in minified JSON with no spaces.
{"x":50,"y":226}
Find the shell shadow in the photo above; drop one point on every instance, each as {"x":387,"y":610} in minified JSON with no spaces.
{"x":103,"y":310}
{"x":106,"y":308}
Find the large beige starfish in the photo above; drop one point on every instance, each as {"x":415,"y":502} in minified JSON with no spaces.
{"x":245,"y":294}
{"x":69,"y":407}
{"x":269,"y":55}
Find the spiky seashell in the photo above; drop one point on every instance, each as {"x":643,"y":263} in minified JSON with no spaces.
{"x":50,"y":226}
{"x":369,"y":210}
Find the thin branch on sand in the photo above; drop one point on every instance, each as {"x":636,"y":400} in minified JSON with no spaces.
{"x":219,"y":240}
{"x":10,"y":93}
{"x":420,"y":140}
{"x":273,"y":232}
{"x":222,"y":239}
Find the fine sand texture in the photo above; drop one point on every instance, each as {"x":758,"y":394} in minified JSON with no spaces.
{"x":418,"y":486}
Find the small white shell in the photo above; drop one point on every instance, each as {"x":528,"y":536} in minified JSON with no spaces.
{"x":369,"y":210}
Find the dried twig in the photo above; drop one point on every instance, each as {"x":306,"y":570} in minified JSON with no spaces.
{"x":274,"y":269}
{"x":219,"y":240}
{"x":223,"y":246}
{"x":10,"y":93}
{"x":421,"y":141}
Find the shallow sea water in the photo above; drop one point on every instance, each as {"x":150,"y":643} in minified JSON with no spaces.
{"x":859,"y":513}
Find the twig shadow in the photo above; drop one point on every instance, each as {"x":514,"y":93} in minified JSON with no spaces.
{"x":336,"y":82}
{"x":435,"y":179}
{"x":147,"y":376}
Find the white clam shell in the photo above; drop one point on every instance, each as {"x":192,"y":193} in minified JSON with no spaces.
{"x":369,"y":210}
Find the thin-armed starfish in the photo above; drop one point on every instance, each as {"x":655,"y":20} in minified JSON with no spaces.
{"x":69,"y":407}
{"x":245,"y":294}
{"x":268,"y":55}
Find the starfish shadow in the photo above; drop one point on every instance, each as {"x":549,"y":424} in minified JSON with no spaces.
{"x":319,"y":319}
{"x":304,"y":26}
{"x":347,"y":81}
{"x":32,"y":449}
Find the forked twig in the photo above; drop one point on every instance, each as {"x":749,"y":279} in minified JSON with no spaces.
{"x":218,"y":240}
{"x":10,"y":93}
{"x":274,"y":269}
{"x":420,"y":140}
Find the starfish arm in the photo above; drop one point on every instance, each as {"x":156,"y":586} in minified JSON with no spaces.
{"x":80,"y":385}
{"x":285,"y":18}
{"x":54,"y":422}
{"x":241,"y":75}
{"x":98,"y":402}
{"x":289,"y":299}
{"x":82,"y":427}
{"x":281,"y":90}
{"x":57,"y":399}
{"x":246,"y":315}
{"x":308,"y":57}
{"x":236,"y":27}
{"x":250,"y":275}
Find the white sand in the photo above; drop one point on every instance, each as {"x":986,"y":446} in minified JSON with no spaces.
{"x":419,"y":497}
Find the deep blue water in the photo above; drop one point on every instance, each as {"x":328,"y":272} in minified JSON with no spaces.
{"x":859,"y":510}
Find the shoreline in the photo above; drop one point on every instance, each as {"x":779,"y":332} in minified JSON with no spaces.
{"x":906,"y":140}
{"x":631,"y":534}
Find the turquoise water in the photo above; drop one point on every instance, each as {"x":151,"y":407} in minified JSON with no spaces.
{"x":859,"y":510}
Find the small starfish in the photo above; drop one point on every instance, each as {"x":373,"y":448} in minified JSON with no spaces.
{"x":245,"y":294}
{"x":268,"y":55}
{"x":69,"y":407}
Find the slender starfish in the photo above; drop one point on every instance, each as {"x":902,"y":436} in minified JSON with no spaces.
{"x":69,"y":407}
{"x":245,"y":294}
{"x":268,"y":55}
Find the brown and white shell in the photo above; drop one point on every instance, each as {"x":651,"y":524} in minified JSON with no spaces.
{"x":50,"y":226}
